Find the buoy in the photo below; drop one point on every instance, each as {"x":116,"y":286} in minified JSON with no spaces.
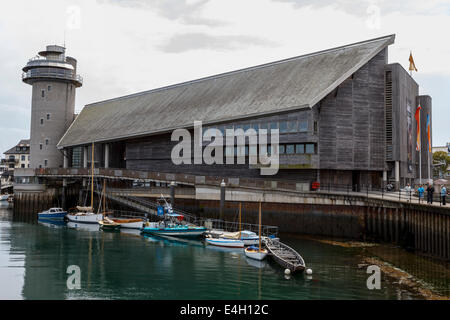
{"x":308,"y":271}
{"x":287,"y":272}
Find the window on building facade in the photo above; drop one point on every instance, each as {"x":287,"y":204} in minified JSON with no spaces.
{"x":23,"y":166}
{"x":43,"y":93}
{"x":290,"y":149}
{"x":315,"y":127}
{"x":282,"y":149}
{"x":283,"y":127}
{"x":303,"y":126}
{"x":42,"y":122}
{"x":49,"y":88}
{"x":292,"y":126}
{"x":48,"y":116}
{"x":300,"y":149}
{"x":273,"y":125}
{"x":46,"y":142}
{"x":23,"y":158}
{"x":310,"y":148}
{"x":40,"y":147}
{"x":45,"y":163}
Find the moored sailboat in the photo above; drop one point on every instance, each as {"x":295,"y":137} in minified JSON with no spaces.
{"x":257,"y":253}
{"x":86,"y":214}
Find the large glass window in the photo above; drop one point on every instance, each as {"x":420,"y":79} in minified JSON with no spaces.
{"x":300,"y":149}
{"x":290,"y":149}
{"x":263,"y":126}
{"x":283,"y":127}
{"x":303,"y":126}
{"x":255,"y":127}
{"x":310,"y":148}
{"x":273,"y":125}
{"x":292,"y":126}
{"x":282,"y":149}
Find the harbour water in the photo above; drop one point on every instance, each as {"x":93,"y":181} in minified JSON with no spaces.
{"x":34,"y":258}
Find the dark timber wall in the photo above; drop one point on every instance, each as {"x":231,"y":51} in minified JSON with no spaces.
{"x":351,"y":121}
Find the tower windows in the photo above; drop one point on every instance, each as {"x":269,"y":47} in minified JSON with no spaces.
{"x":49,"y":88}
{"x":45,"y":163}
{"x":48,"y":116}
{"x":42,"y":122}
{"x":46,"y":142}
{"x":40,"y":146}
{"x":43,"y":93}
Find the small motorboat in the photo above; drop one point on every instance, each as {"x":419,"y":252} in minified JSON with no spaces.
{"x":108,"y":224}
{"x":224,"y":242}
{"x":53,"y":214}
{"x":4,"y":197}
{"x":174,"y":230}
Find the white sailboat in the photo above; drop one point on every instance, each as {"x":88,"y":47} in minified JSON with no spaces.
{"x":227,"y":242}
{"x":257,"y":253}
{"x":86,"y":214}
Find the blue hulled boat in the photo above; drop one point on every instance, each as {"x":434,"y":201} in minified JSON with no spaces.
{"x":53,"y":213}
{"x":174,"y":230}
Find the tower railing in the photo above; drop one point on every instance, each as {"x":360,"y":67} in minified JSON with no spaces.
{"x":52,"y":73}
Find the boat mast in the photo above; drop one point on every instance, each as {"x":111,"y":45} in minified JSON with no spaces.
{"x":240,"y":219}
{"x":260,"y":227}
{"x":104,"y":195}
{"x":92,"y":174}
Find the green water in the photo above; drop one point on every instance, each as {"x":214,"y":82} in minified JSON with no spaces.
{"x":34,"y":258}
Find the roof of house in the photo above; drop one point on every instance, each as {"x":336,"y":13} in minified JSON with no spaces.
{"x":25,"y":143}
{"x":285,"y":85}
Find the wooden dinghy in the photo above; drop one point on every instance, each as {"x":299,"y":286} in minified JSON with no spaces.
{"x":285,"y":256}
{"x":108,"y":224}
{"x":137,"y":224}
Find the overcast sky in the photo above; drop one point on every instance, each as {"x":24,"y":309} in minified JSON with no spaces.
{"x":127,"y":46}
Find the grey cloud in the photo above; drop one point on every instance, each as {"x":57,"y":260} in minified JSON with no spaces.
{"x":360,"y":7}
{"x":182,"y":10}
{"x":196,"y":41}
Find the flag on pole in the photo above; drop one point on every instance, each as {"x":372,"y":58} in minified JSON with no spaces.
{"x":417,"y":116}
{"x":429,"y":133}
{"x":412,"y":65}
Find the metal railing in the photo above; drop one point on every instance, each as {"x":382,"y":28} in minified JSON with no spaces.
{"x":376,"y":192}
{"x":62,"y":74}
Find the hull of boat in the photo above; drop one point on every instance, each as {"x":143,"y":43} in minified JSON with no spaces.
{"x":255,"y":255}
{"x":87,"y":218}
{"x":227,"y":243}
{"x":176,"y":232}
{"x":4,"y":198}
{"x":52,"y":216}
{"x":130,"y":225}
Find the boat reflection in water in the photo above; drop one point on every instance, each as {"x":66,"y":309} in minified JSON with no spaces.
{"x":52,"y":223}
{"x":83,"y":226}
{"x":260,"y":264}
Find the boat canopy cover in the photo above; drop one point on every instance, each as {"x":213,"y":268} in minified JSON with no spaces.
{"x":85,"y":209}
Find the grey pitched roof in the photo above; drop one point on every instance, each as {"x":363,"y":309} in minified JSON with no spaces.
{"x":290,"y":84}
{"x":21,"y":142}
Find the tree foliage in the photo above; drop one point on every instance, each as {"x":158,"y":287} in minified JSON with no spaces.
{"x":441,"y":157}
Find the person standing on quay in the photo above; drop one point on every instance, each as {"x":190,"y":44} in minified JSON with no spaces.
{"x":443,"y":195}
{"x":430,"y":191}
{"x":421,"y":191}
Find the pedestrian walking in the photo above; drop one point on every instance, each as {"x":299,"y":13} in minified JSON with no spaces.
{"x":421,"y":191}
{"x":430,"y":191}
{"x":443,"y":195}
